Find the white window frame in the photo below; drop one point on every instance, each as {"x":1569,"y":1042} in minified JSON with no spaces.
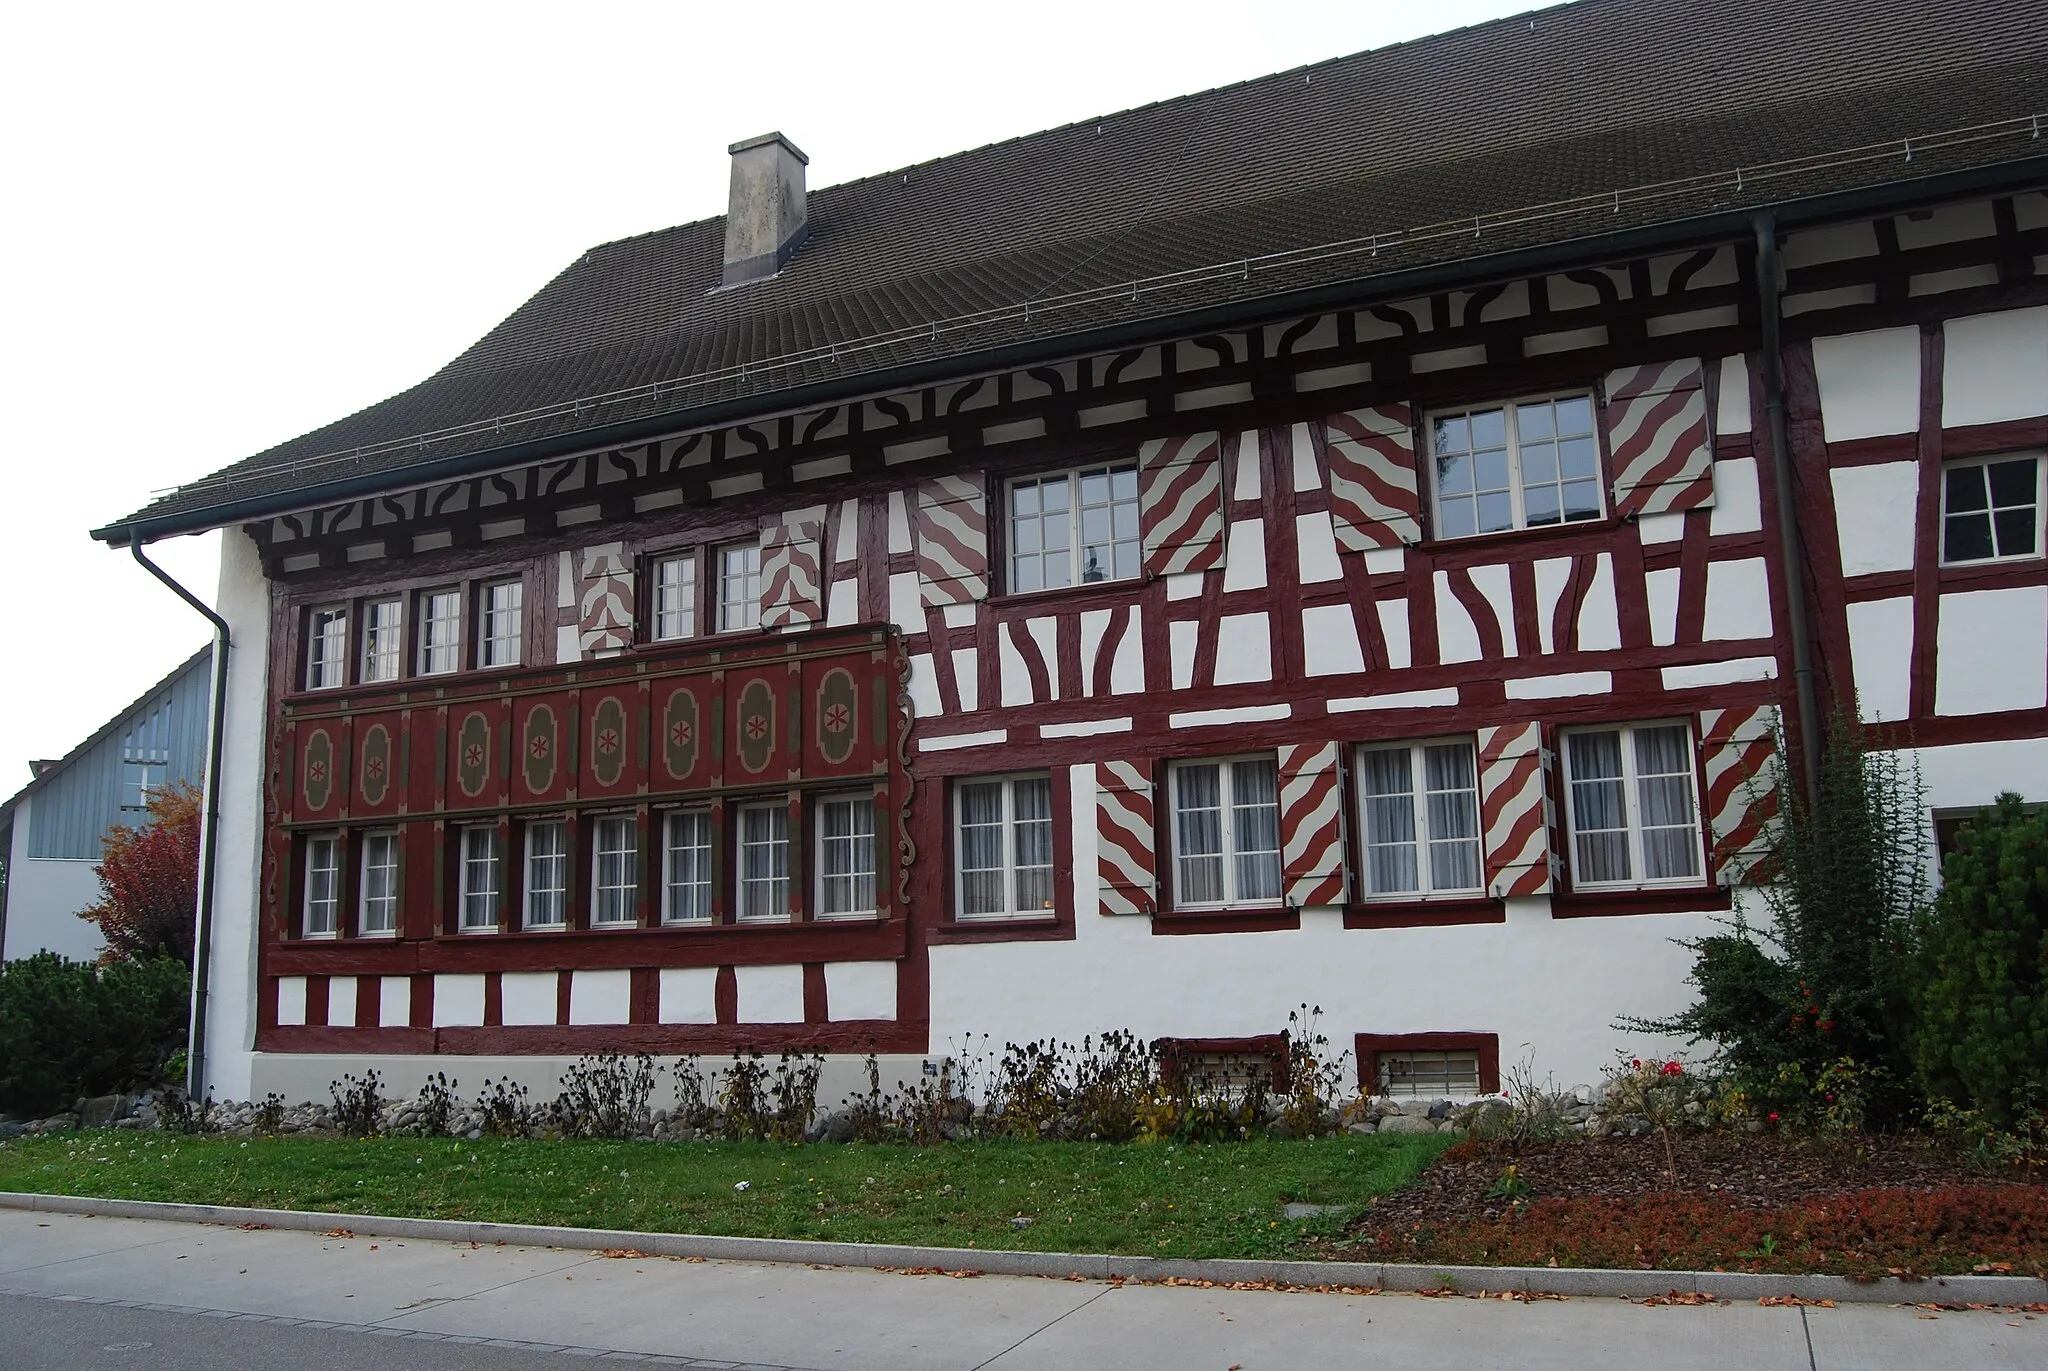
{"x":501,"y":606}
{"x":433,"y":647}
{"x":1233,"y":898}
{"x":370,"y":921}
{"x":741,"y":613}
{"x":1517,"y":487}
{"x":468,"y":860}
{"x":603,"y":891}
{"x":323,"y":855}
{"x":1419,"y":795}
{"x":1008,"y":825}
{"x":1632,"y":808}
{"x":326,"y":647}
{"x":558,"y":860}
{"x":383,"y":643}
{"x":1076,"y":567}
{"x":701,"y":853}
{"x":820,"y":842}
{"x":675,"y":597}
{"x":741,"y":881}
{"x":2040,"y":509}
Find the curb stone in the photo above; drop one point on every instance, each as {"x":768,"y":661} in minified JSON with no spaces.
{"x":1541,"y":1280}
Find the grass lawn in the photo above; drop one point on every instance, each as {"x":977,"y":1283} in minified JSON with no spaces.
{"x":1219,"y":1200}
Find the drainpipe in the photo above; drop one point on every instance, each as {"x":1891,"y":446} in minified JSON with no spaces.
{"x":1770,"y":286}
{"x":209,"y":829}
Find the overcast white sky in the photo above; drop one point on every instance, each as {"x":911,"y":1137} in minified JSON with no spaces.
{"x":225,"y":225}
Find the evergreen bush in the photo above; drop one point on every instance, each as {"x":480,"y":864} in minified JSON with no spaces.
{"x":1982,"y":970}
{"x":69,"y":1028}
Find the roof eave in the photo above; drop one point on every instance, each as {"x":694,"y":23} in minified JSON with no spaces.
{"x":1718,"y":226}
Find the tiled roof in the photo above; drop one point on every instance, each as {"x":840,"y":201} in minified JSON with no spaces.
{"x":1567,"y":124}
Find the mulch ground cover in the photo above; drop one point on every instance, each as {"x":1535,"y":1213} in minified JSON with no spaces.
{"x":1867,"y":1206}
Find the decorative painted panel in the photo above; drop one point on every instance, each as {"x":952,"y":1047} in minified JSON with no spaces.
{"x":543,"y":766}
{"x":1663,"y":456}
{"x":474,"y":753}
{"x":604,"y":591}
{"x":684,"y":708}
{"x":1739,"y":753}
{"x":610,"y":740}
{"x":319,"y":765}
{"x":378,"y":784}
{"x":1124,"y":829}
{"x":792,"y":579}
{"x":1311,"y":825}
{"x":1514,"y":809}
{"x":1373,"y":498}
{"x":952,"y":539}
{"x":1180,"y":503}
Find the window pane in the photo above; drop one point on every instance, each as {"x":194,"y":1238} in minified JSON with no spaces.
{"x":1255,"y":815}
{"x":1598,"y":800}
{"x":2012,"y":483}
{"x":380,"y":883}
{"x":847,"y":856}
{"x":1966,"y":489}
{"x":501,"y":624}
{"x":547,"y":874}
{"x":1489,"y":429}
{"x":764,"y":862}
{"x":480,"y":882}
{"x":326,"y":648}
{"x":688,"y":895}
{"x":323,"y":885}
{"x":1453,"y":817}
{"x":616,"y":871}
{"x":980,"y":852}
{"x":440,"y":632}
{"x":675,"y":597}
{"x":1386,"y":776}
{"x":1966,"y":537}
{"x":381,"y":642}
{"x":1198,"y":828}
{"x":1664,"y":795}
{"x":739,"y":586}
{"x":1496,"y":513}
{"x":1031,"y":801}
{"x":2015,"y":529}
{"x":1454,"y":474}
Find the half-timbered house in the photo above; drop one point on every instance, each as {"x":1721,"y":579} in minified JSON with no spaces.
{"x":1345,"y":539}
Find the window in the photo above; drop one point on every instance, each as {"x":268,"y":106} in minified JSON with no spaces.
{"x":1420,"y":804}
{"x":1003,"y":848}
{"x":547,"y":874}
{"x":686,"y":889}
{"x":1428,"y":1074}
{"x":383,"y":639}
{"x":1522,"y":465}
{"x":440,"y":632}
{"x":1991,"y":510}
{"x":379,"y":912}
{"x":482,"y":866}
{"x":1633,"y":819}
{"x":327,"y":647}
{"x":764,"y":862}
{"x":675,"y":597}
{"x":846,"y":856}
{"x":614,"y":870}
{"x":1074,"y":528}
{"x":140,"y":776}
{"x":739,"y":586}
{"x":323,"y":887}
{"x":1226,"y":832}
{"x":501,"y":604}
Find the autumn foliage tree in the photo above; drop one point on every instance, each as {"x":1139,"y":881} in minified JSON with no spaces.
{"x":149,"y":880}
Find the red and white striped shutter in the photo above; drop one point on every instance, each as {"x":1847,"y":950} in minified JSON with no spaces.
{"x":1125,"y":865}
{"x":1180,"y":503}
{"x":1739,"y":754}
{"x":1373,"y":498}
{"x":792,"y":581}
{"x":604,"y":599}
{"x":952,"y":539}
{"x":1311,"y":825}
{"x":1514,"y":809}
{"x":1657,"y":436}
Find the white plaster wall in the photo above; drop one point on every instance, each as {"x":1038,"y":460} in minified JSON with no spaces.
{"x":1881,"y":655}
{"x":394,"y":1002}
{"x":1995,"y":367}
{"x":528,"y":997}
{"x":244,"y":601}
{"x":1551,"y":989}
{"x":1738,"y":600}
{"x":458,"y":1000}
{"x":860,"y":990}
{"x":600,"y":997}
{"x":1869,"y":383}
{"x":1874,"y":516}
{"x":1991,"y":651}
{"x":341,"y":1002}
{"x":689,"y":994}
{"x":44,"y":895}
{"x":770,"y":994}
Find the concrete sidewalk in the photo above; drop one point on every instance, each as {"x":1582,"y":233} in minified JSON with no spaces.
{"x":530,"y":1301}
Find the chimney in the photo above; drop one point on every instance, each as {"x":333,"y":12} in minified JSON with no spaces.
{"x":764,"y":223}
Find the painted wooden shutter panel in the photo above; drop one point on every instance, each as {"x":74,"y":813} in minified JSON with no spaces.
{"x":1124,"y":838}
{"x":792,"y":581}
{"x":1311,"y":825}
{"x":1657,"y":436}
{"x":952,"y":539}
{"x":1373,"y":498}
{"x":1514,"y":809}
{"x":1180,"y":503}
{"x":604,"y":599}
{"x":1739,"y":754}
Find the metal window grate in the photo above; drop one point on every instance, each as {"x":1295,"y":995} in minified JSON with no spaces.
{"x":1429,"y":1075}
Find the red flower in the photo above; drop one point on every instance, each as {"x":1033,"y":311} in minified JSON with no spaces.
{"x":1636,"y":1063}
{"x":1673,"y":1069}
{"x":1774,"y":1116}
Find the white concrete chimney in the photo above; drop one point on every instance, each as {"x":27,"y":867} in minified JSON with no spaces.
{"x":764,"y":222}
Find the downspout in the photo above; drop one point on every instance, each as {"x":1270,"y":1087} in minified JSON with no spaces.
{"x":1770,"y":286}
{"x":209,"y":828}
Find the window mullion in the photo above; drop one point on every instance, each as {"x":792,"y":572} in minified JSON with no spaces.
{"x":1514,"y":436}
{"x":1418,"y":806}
{"x":1631,"y":808}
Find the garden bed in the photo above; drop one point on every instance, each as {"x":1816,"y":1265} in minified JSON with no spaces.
{"x":1865,"y":1206}
{"x":1155,"y":1200}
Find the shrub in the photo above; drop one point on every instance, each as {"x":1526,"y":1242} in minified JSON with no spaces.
{"x":70,"y":1028}
{"x":358,"y":1104}
{"x":1830,"y":979}
{"x":1982,"y":987}
{"x":502,"y":1108}
{"x":149,"y":880}
{"x":605,"y":1096}
{"x":434,"y":1106}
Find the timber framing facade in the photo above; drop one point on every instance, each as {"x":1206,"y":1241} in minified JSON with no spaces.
{"x":1418,"y":655}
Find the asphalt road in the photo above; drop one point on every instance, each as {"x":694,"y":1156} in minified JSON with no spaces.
{"x":90,"y":1292}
